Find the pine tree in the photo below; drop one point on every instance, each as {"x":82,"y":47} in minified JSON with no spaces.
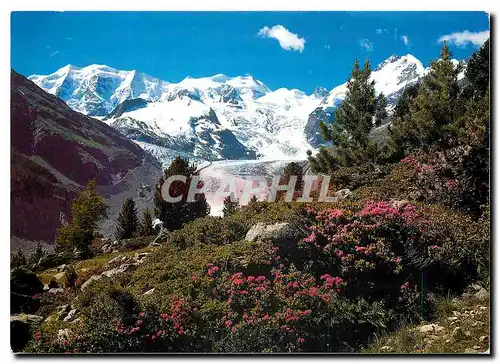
{"x":128,"y":222}
{"x":478,"y":69}
{"x":18,"y":259}
{"x":87,"y":209}
{"x":175,"y":214}
{"x":403,"y":133}
{"x":380,"y":109}
{"x":428,"y":121}
{"x":146,"y":228}
{"x":324,"y":161}
{"x":231,"y":204}
{"x":354,"y":119}
{"x":436,"y":103}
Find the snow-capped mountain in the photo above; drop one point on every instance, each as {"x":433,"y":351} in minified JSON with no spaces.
{"x":96,"y":90}
{"x":208,"y":118}
{"x":217,"y":117}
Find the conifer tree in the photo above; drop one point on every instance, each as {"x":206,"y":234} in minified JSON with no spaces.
{"x":231,"y":204}
{"x":354,"y":119}
{"x":146,"y":227}
{"x":128,"y":222}
{"x":478,"y":69}
{"x":175,"y":214}
{"x":324,"y":161}
{"x":402,"y":132}
{"x":87,"y":209}
{"x":430,"y":118}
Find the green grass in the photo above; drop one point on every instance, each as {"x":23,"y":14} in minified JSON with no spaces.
{"x":86,"y":268}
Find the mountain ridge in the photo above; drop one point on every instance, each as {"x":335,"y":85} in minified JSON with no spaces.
{"x":55,"y":151}
{"x":259,"y":122}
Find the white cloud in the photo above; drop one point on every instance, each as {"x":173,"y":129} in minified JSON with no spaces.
{"x":327,"y":46}
{"x":287,"y":40}
{"x":461,"y":39}
{"x":366,"y":44}
{"x":53,"y":54}
{"x":381,"y":31}
{"x":405,"y":40}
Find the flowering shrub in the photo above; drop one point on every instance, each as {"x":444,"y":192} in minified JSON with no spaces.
{"x":288,"y":311}
{"x":369,"y":249}
{"x":454,"y":177}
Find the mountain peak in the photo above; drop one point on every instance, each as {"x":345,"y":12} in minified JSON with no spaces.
{"x":320,"y":91}
{"x":66,"y":69}
{"x":391,"y":59}
{"x":220,"y":77}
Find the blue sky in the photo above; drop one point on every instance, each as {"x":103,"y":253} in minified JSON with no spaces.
{"x":282,"y":49}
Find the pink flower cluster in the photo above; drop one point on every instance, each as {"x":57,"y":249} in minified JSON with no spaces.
{"x":277,"y":302}
{"x":451,"y":184}
{"x":129,"y":330}
{"x":332,"y":281}
{"x":181,"y":313}
{"x":390,"y":210}
{"x":419,"y":167}
{"x":212,"y":270}
{"x":363,"y":240}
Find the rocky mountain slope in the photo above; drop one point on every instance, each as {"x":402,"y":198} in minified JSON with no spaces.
{"x":54,"y":152}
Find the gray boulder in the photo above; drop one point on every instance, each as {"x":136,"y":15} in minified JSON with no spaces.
{"x":284,"y":235}
{"x":282,"y":232}
{"x":343,"y":194}
{"x":121,"y":269}
{"x":89,"y":281}
{"x":71,"y":315}
{"x":56,"y":290}
{"x":482,"y":294}
{"x":63,"y":312}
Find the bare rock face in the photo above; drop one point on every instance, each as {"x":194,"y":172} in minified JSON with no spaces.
{"x":71,"y":315}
